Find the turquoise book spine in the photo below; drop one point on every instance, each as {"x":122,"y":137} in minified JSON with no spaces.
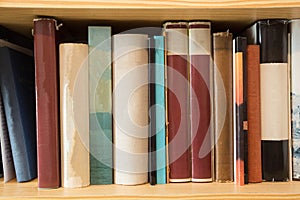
{"x":160,"y":110}
{"x":100,"y":94}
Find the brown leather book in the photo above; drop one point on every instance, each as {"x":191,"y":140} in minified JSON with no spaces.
{"x":254,"y":115}
{"x":200,"y":100}
{"x":47,"y":107}
{"x":177,"y":101}
{"x":223,"y":105}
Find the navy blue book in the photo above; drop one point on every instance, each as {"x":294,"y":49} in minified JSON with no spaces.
{"x":17,"y":86}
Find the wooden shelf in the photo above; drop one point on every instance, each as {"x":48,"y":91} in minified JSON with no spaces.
{"x":280,"y":190}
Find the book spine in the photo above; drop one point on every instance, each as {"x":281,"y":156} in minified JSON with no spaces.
{"x":223,"y":106}
{"x":130,"y":108}
{"x":100,"y":102}
{"x":74,"y":115}
{"x":240,"y":118}
{"x":254,"y":114}
{"x":152,"y":112}
{"x":274,"y":99}
{"x":160,"y":109}
{"x":178,"y":86}
{"x":200,"y":100}
{"x":47,"y":106}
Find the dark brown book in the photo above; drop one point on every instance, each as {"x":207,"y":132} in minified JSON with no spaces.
{"x":200,"y":104}
{"x":47,"y":105}
{"x":254,"y":115}
{"x":222,"y":50}
{"x":177,"y":101}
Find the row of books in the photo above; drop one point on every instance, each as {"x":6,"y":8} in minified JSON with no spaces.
{"x":177,"y":106}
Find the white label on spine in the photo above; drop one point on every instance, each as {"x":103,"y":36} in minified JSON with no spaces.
{"x":177,"y":41}
{"x":274,"y":101}
{"x":199,"y":42}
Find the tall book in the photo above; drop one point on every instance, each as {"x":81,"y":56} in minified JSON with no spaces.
{"x":100,"y":101}
{"x":254,"y":114}
{"x":7,"y":159}
{"x":223,"y":106}
{"x":130,"y":108}
{"x":74,"y":115}
{"x":159,"y":44}
{"x":47,"y":102}
{"x":272,"y":37}
{"x":176,"y":34}
{"x":240,"y":109}
{"x":17,"y":87}
{"x":200,"y":100}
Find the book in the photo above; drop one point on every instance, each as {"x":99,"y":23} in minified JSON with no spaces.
{"x":200,"y":100}
{"x":272,"y":37}
{"x":161,"y":162}
{"x":74,"y":115}
{"x":254,"y":114}
{"x":176,"y":34}
{"x":130,"y":108}
{"x":47,"y":102}
{"x":240,"y":109}
{"x":7,"y":159}
{"x":17,"y":87}
{"x":223,"y":106}
{"x":100,"y":102}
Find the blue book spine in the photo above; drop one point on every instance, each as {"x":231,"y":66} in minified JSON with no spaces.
{"x":17,"y":86}
{"x":160,"y":110}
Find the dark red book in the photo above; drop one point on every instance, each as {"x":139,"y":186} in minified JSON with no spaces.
{"x":200,"y":105}
{"x":47,"y":104}
{"x":177,"y":101}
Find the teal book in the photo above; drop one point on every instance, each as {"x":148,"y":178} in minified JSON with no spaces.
{"x":100,"y":86}
{"x":160,"y":110}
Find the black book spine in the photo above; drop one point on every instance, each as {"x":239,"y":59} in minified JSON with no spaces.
{"x":152,"y":113}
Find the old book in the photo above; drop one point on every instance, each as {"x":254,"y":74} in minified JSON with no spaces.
{"x":177,"y":100}
{"x":47,"y":102}
{"x":17,"y":87}
{"x":240,"y":109}
{"x":7,"y":159}
{"x":159,"y":44}
{"x":200,"y":100}
{"x":223,"y":105}
{"x":254,"y":114}
{"x":100,"y":102}
{"x":74,"y":115}
{"x":130,"y":108}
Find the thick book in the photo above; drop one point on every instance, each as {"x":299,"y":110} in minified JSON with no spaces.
{"x":240,"y":109}
{"x":223,"y":106}
{"x":200,"y":100}
{"x":17,"y":87}
{"x":74,"y":114}
{"x":176,"y":34}
{"x":100,"y":102}
{"x":160,"y":124}
{"x":130,"y":108}
{"x":47,"y":102}
{"x":254,"y":114}
{"x":272,"y":37}
{"x":6,"y":153}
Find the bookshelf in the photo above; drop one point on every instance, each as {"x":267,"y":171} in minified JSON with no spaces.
{"x":77,"y":14}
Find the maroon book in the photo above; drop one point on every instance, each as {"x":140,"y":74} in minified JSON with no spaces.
{"x":200,"y":105}
{"x":177,"y":101}
{"x":47,"y":105}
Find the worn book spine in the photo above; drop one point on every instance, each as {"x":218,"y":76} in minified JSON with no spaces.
{"x":200,"y":100}
{"x":130,"y":108}
{"x":74,"y":115}
{"x":47,"y":102}
{"x":159,"y":42}
{"x":178,"y":95}
{"x":223,"y":106}
{"x":254,"y":114}
{"x":100,"y":103}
